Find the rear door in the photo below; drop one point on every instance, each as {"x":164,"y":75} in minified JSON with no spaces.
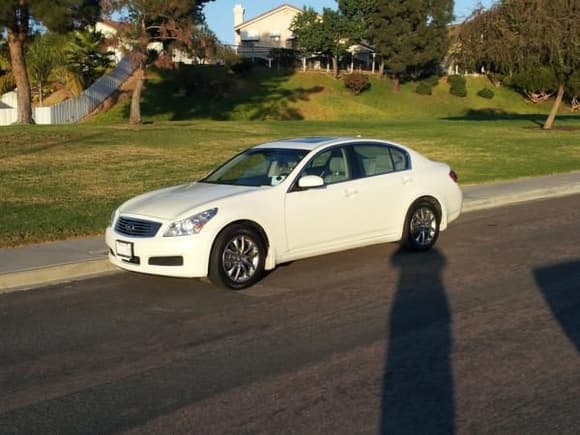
{"x":384,"y":187}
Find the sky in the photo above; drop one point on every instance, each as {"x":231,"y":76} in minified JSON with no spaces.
{"x":220,"y":17}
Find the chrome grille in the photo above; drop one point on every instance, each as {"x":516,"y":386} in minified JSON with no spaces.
{"x":136,"y":227}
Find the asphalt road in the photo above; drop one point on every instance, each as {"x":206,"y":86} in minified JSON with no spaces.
{"x":481,"y":335}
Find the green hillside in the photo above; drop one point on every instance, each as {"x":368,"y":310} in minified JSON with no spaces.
{"x":192,"y":93}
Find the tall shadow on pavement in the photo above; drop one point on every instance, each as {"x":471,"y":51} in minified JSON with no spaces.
{"x":417,"y":394}
{"x":560,"y":285}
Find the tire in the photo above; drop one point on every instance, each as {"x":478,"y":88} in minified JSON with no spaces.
{"x":237,"y":258}
{"x":421,"y":226}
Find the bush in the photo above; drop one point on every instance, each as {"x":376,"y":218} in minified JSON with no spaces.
{"x":457,"y":86}
{"x":432,"y":81}
{"x":241,"y":66}
{"x":357,"y":82}
{"x":424,"y":88}
{"x":459,"y":91}
{"x":456,"y":80}
{"x":486,"y":93}
{"x":284,"y":57}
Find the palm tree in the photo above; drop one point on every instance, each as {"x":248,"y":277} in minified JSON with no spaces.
{"x":7,"y":82}
{"x":85,"y":57}
{"x":42,"y":57}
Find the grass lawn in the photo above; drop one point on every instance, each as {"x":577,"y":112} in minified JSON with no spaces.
{"x":60,"y":182}
{"x":210,"y":93}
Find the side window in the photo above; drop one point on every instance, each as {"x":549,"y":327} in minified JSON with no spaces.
{"x":400,"y":159}
{"x":331,"y":165}
{"x":373,"y":159}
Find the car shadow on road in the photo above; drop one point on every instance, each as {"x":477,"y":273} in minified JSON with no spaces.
{"x":560,"y":286}
{"x":417,"y":390}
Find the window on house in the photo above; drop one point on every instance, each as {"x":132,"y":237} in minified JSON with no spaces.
{"x":275,"y":36}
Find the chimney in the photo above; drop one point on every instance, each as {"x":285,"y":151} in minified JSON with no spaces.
{"x":239,"y":13}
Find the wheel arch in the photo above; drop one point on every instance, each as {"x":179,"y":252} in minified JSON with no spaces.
{"x":216,"y":274}
{"x":255,"y":226}
{"x":249,"y":223}
{"x":433,"y":201}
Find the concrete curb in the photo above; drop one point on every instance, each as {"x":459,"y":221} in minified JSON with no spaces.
{"x":521,"y":197}
{"x":32,"y":278}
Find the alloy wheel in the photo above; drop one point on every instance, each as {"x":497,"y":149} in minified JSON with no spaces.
{"x":423,"y":227}
{"x":240,"y":258}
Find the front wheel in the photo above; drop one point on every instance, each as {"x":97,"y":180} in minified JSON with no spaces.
{"x":237,"y":258}
{"x":422,"y":226}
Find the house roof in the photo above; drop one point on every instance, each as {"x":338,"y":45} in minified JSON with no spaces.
{"x":115,"y":25}
{"x":267,"y":14}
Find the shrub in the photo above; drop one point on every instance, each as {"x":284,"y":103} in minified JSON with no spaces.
{"x":432,"y":81}
{"x":284,"y":57}
{"x":455,"y":80}
{"x":459,"y":91}
{"x":424,"y":88}
{"x":241,"y":66}
{"x":457,"y":86}
{"x":357,"y":82}
{"x":486,"y":93}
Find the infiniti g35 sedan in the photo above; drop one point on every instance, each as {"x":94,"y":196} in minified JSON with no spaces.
{"x":282,"y":201}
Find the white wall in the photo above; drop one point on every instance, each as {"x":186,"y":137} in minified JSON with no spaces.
{"x":8,"y":116}
{"x":278,"y":23}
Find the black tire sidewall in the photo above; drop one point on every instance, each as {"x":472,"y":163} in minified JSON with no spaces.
{"x":217,"y":273}
{"x":410,"y":242}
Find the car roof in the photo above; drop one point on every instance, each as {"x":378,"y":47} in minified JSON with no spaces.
{"x":305,"y":143}
{"x":317,"y":142}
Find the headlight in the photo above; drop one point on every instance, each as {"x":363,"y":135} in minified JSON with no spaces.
{"x":191,"y":225}
{"x":113,"y":216}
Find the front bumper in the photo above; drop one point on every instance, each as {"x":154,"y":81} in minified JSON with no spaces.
{"x":184,"y":256}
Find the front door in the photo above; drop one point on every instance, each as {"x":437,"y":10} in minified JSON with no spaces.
{"x":321,"y":218}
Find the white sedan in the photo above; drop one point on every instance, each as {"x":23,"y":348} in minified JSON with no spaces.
{"x":282,"y":201}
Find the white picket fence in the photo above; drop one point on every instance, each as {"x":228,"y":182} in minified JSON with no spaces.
{"x":72,"y":110}
{"x":8,"y":113}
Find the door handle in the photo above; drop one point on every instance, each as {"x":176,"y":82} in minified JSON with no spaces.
{"x":407,"y":180}
{"x":350,"y":192}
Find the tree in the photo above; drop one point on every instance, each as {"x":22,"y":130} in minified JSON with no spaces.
{"x":411,"y":37}
{"x":338,"y":31}
{"x":359,"y":14}
{"x":328,"y":34}
{"x":6,"y":76}
{"x":42,"y":58}
{"x":533,"y":39}
{"x":171,"y":22}
{"x":85,"y":57}
{"x":206,"y":43}
{"x":306,"y":28}
{"x":16,"y":17}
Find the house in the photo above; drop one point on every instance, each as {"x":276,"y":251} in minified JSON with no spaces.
{"x":109,"y":30}
{"x":255,"y":38}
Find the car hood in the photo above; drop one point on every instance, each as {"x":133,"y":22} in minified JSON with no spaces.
{"x":174,"y":202}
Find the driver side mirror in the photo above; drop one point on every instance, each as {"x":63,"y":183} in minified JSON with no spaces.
{"x":310,"y":182}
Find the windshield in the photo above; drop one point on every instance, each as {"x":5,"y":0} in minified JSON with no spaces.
{"x":257,"y":167}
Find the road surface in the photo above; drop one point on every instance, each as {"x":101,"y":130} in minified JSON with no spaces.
{"x":481,"y":335}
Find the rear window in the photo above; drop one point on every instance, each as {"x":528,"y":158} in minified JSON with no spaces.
{"x":379,"y":159}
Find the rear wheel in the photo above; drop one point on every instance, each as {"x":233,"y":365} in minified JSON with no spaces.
{"x":237,"y":258}
{"x":422,"y":226}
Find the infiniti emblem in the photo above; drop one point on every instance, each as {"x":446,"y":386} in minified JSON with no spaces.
{"x":130,"y":228}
